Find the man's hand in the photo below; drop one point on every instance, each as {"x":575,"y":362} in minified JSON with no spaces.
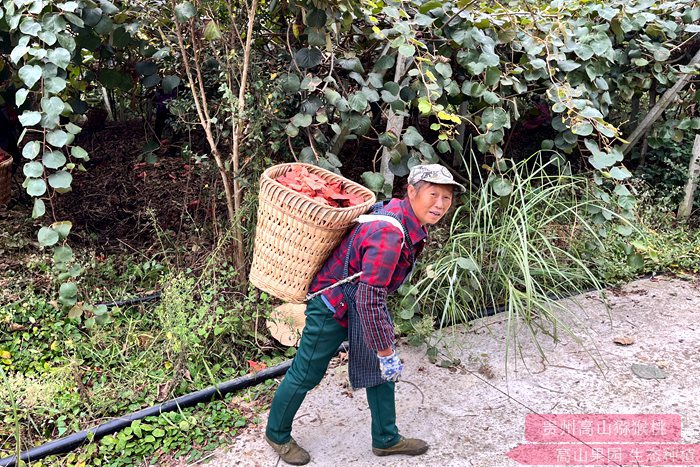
{"x":390,"y":366}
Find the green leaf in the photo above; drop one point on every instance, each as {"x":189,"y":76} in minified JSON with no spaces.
{"x":388,"y":139}
{"x":108,"y":7}
{"x":73,"y":129}
{"x":567,"y":65}
{"x":29,"y":26}
{"x":55,"y":85}
{"x":30,"y":74}
{"x":36,"y":187}
{"x":584,"y":52}
{"x":412,"y":137}
{"x":18,"y":52}
{"x":501,"y":186}
{"x":620,"y":173}
{"x":301,"y":120}
{"x":316,"y":18}
{"x":308,"y":57}
{"x":115,"y":79}
{"x":602,"y":160}
{"x":66,"y":41}
{"x":424,"y":106}
{"x":48,"y":237}
{"x":291,"y":130}
{"x":21,"y":96}
{"x":495,"y":118}
{"x":290,"y":84}
{"x":69,"y":6}
{"x":60,"y":179}
{"x":635,"y":261}
{"x":62,"y":254}
{"x":374,"y":181}
{"x":76,"y":20}
{"x":184,"y":12}
{"x":493,"y":76}
{"x":212,"y":31}
{"x":151,"y":81}
{"x":537,"y":63}
{"x":59,"y":57}
{"x":170,"y":82}
{"x":39,"y":209}
{"x":622,"y":190}
{"x":58,"y":138}
{"x":582,"y":128}
{"x":430,"y":5}
{"x":77,"y":151}
{"x":31,"y":150}
{"x":53,"y":160}
{"x":590,"y":112}
{"x":33,"y":169}
{"x":53,"y":106}
{"x":661,"y":54}
{"x":63,"y":228}
{"x":358,"y":102}
{"x":407,"y":50}
{"x":491,"y":98}
{"x":624,"y":230}
{"x":385,"y":62}
{"x":444,"y":69}
{"x":67,"y":289}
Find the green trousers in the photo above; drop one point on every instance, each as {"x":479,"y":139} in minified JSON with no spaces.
{"x":320,"y":339}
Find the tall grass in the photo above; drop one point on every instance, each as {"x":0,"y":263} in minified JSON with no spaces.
{"x":519,"y":251}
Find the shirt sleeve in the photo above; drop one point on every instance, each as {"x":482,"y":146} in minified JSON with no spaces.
{"x":377,"y":327}
{"x":381,"y":251}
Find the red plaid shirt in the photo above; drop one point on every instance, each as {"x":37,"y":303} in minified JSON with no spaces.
{"x":378,"y":253}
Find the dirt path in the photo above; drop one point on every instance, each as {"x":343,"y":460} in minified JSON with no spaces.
{"x":474,"y":415}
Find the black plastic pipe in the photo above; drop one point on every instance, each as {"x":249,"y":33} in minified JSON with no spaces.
{"x":132,"y":301}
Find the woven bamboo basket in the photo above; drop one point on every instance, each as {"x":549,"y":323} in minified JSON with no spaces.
{"x":295,"y":234}
{"x":5,"y":178}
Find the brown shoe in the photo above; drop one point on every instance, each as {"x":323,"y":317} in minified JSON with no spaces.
{"x":407,"y":446}
{"x":290,"y":452}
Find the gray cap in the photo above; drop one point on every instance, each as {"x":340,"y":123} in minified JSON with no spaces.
{"x":432,"y":173}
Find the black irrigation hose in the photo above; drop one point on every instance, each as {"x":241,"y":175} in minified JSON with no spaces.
{"x":68,"y":443}
{"x":133,"y":301}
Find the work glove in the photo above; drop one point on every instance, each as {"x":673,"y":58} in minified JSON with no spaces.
{"x":390,"y":367}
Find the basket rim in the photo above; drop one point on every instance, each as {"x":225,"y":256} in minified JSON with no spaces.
{"x":266,"y":174}
{"x":6,"y":162}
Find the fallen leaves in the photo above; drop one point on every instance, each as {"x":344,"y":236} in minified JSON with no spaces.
{"x":329,"y":193}
{"x":256,"y":366}
{"x":623,"y":340}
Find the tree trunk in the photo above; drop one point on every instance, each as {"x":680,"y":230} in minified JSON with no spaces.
{"x":394,"y":124}
{"x":686,"y":206}
{"x":238,"y":134}
{"x":659,"y":108}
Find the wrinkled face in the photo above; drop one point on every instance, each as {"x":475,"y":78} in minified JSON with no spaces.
{"x":430,"y":202}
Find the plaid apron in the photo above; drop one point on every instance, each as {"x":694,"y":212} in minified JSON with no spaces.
{"x":363,"y":365}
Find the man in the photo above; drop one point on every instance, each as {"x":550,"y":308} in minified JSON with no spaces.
{"x":383,"y":248}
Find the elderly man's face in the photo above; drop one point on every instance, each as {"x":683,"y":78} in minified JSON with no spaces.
{"x":430,"y":202}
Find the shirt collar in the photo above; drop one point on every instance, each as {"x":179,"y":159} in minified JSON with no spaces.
{"x":416,"y":232}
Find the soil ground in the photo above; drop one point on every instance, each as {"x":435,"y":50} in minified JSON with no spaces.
{"x":474,"y":414}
